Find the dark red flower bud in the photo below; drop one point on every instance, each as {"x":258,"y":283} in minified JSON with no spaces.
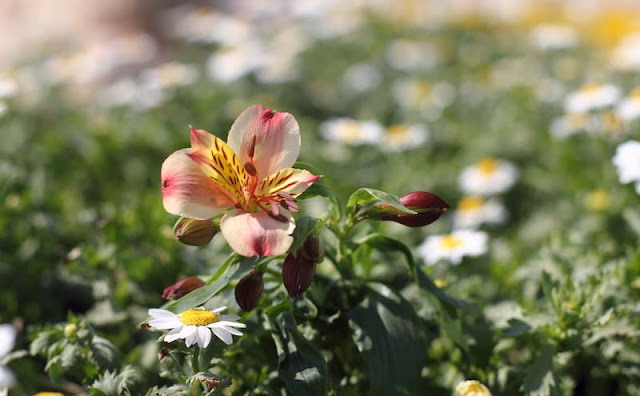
{"x":182,"y":287}
{"x":428,"y":206}
{"x":249,"y":290}
{"x":195,"y":232}
{"x":297,"y":273}
{"x":313,"y":249}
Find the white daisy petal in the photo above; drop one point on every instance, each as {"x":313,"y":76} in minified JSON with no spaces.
{"x":217,"y":310}
{"x":6,"y":377}
{"x":161,"y":314}
{"x":222,"y":334}
{"x":173,"y":335}
{"x":187,"y":331}
{"x":192,"y":338}
{"x":165,"y":324}
{"x":7,"y":338}
{"x":233,"y":324}
{"x":232,"y":330}
{"x":204,"y":337}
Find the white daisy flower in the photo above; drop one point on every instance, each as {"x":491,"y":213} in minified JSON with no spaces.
{"x":408,"y":55}
{"x":626,"y":55}
{"x":629,"y":109}
{"x":168,"y":75}
{"x":472,"y":388}
{"x":415,"y":94}
{"x":7,"y":340}
{"x":404,"y":137}
{"x":569,"y":124}
{"x":361,"y":77}
{"x":487,"y":177}
{"x":8,"y":84}
{"x":553,"y":37}
{"x":473,"y":211}
{"x":196,"y":325}
{"x":591,"y":97}
{"x":627,"y":164}
{"x":229,"y":64}
{"x":3,"y":108}
{"x":352,"y":132}
{"x":453,"y":247}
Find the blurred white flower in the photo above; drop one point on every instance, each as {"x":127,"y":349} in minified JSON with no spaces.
{"x":404,"y":137}
{"x":487,"y":177}
{"x":352,"y":132}
{"x":169,"y":75}
{"x":626,"y":55}
{"x":570,"y":124}
{"x":415,"y":94}
{"x":627,"y":163}
{"x":629,"y":108}
{"x":551,"y":37}
{"x":453,"y":247}
{"x":196,"y":325}
{"x":229,"y":64}
{"x":361,"y":77}
{"x":7,"y":341}
{"x":408,"y":55}
{"x":8,"y":84}
{"x":3,"y":108}
{"x":591,"y":97}
{"x":472,"y":388}
{"x":473,"y":211}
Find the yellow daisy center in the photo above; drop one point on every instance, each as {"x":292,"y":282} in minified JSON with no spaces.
{"x":450,"y":242}
{"x":48,"y":394}
{"x":590,"y":88}
{"x":470,"y":203}
{"x":198,"y":317}
{"x":397,"y":134}
{"x":487,"y":165}
{"x":424,"y":90}
{"x":598,"y":200}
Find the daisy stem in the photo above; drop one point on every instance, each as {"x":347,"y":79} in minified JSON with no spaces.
{"x":195,"y":362}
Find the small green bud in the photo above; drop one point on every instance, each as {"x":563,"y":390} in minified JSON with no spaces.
{"x":195,"y":232}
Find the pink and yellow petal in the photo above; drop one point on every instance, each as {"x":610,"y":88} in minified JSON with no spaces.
{"x":267,"y":138}
{"x":258,"y":234}
{"x":188,"y":191}
{"x":288,"y":181}
{"x":221,"y":164}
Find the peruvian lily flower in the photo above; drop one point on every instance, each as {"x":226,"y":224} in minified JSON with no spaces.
{"x":251,"y":173}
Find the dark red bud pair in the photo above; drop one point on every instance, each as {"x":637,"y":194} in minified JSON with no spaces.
{"x":299,"y":269}
{"x":195,"y":232}
{"x":429,"y":208}
{"x":249,"y":290}
{"x":182,"y":287}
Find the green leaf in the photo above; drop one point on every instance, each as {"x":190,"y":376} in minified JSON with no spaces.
{"x":305,"y":226}
{"x":300,"y":365}
{"x":319,"y":187}
{"x":43,"y":341}
{"x":450,"y":303}
{"x":104,"y":353}
{"x":388,"y":334}
{"x":540,"y":380}
{"x":516,"y":328}
{"x":365,"y":198}
{"x":235,"y":270}
{"x":384,"y":243}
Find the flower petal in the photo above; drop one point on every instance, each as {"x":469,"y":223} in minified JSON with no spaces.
{"x":223,"y":334}
{"x":157,"y":313}
{"x":7,"y":338}
{"x":173,"y":334}
{"x":7,"y":379}
{"x":257,"y":234}
{"x":165,"y":323}
{"x":232,"y":330}
{"x":288,"y":181}
{"x":271,"y":138}
{"x":204,"y":336}
{"x":187,"y":190}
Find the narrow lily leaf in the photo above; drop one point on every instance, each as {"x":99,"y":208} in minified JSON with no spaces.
{"x":383,"y":243}
{"x":235,"y":270}
{"x":366,"y":198}
{"x":300,"y":364}
{"x":388,"y":334}
{"x":304,"y":227}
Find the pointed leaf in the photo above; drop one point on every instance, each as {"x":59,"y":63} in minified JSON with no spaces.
{"x":367,"y":198}
{"x":300,"y":365}
{"x":390,"y":338}
{"x":384,"y":243}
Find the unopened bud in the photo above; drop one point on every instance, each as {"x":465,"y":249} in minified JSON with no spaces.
{"x":182,"y":287}
{"x":195,"y":232}
{"x":70,"y":330}
{"x":249,"y":290}
{"x":313,"y":249}
{"x":297,"y":273}
{"x":428,"y":206}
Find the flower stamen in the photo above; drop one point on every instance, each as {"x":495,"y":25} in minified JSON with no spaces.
{"x":198,"y":317}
